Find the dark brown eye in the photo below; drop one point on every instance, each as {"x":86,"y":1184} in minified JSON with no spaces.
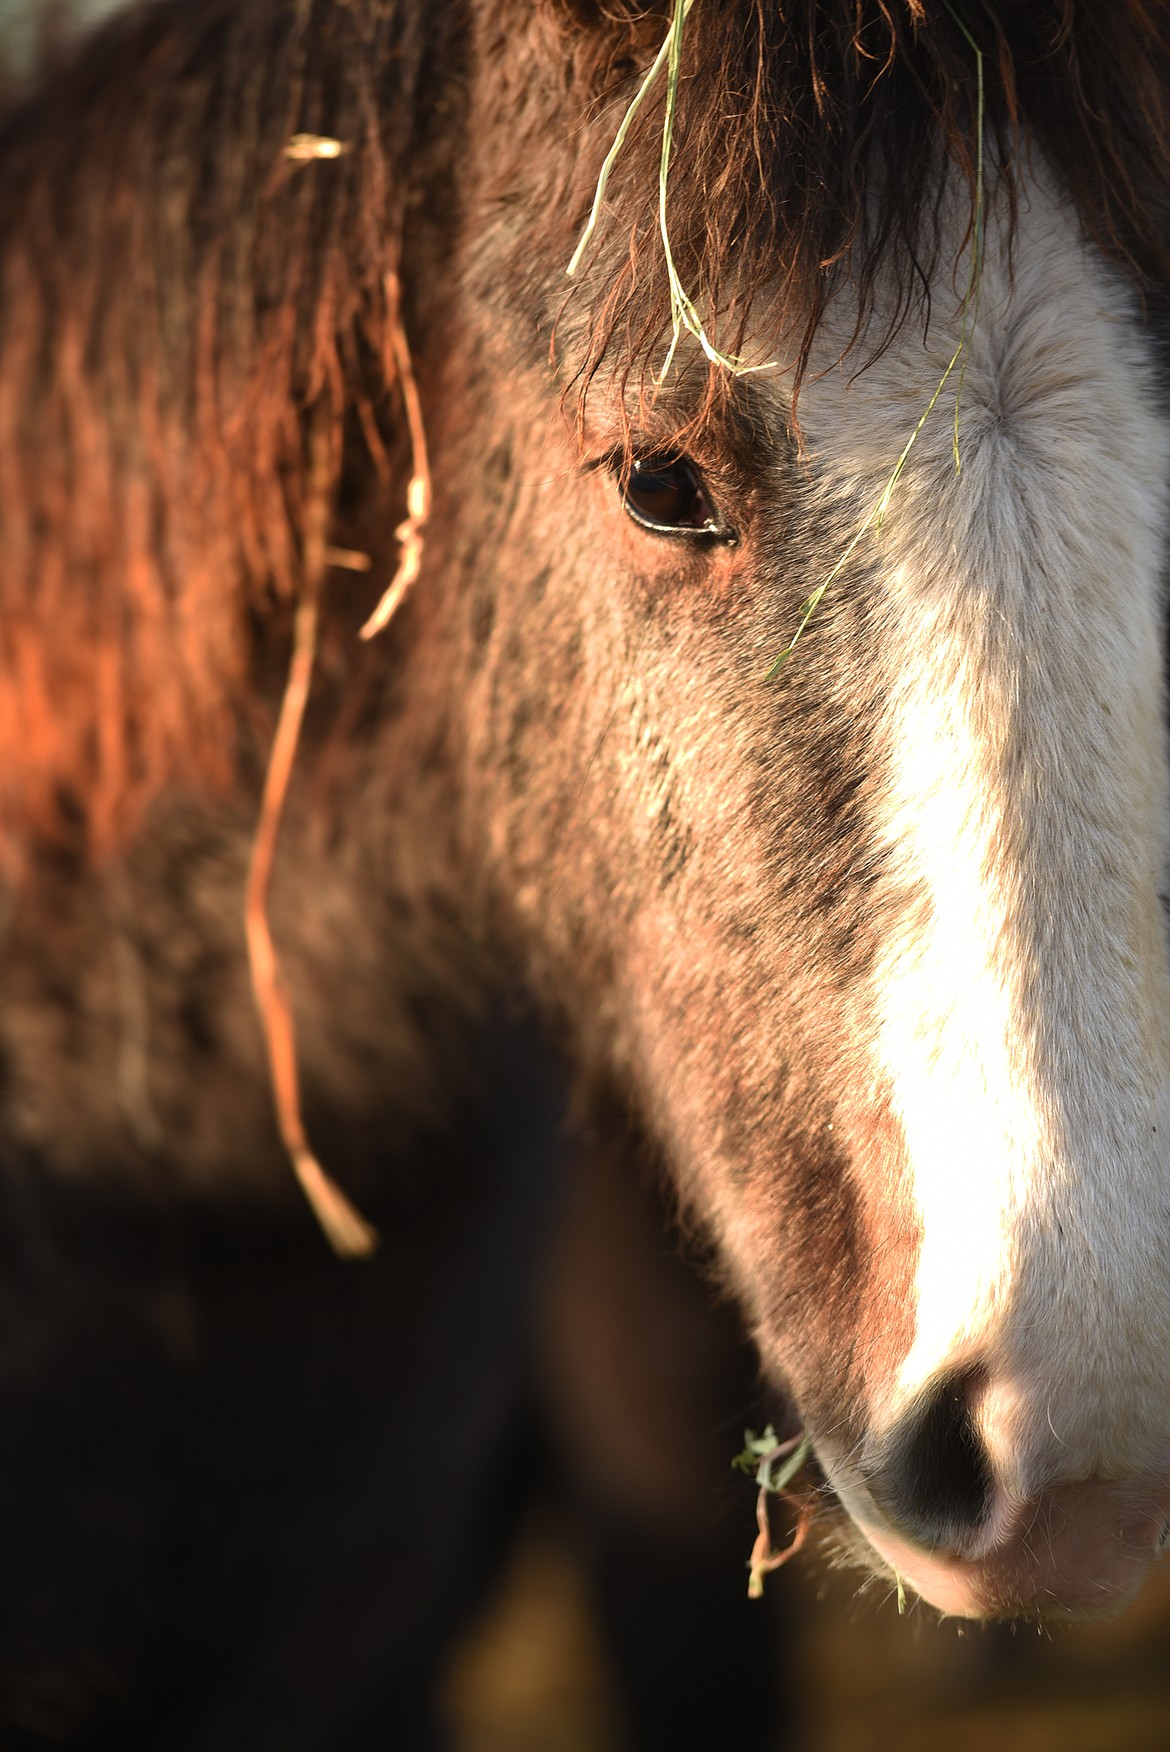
{"x":667,"y":495}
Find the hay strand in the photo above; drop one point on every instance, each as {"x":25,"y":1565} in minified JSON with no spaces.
{"x":346,"y":1229}
{"x":968,"y":318}
{"x":303,"y":148}
{"x":411,"y":532}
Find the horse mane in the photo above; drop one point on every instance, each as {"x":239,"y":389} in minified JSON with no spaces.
{"x":813,"y":139}
{"x":193,"y":322}
{"x":187,"y":317}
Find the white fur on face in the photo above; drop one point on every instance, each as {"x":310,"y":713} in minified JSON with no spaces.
{"x":1023,"y":995}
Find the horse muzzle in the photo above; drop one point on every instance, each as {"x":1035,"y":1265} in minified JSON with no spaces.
{"x":1078,"y":1551}
{"x":980,"y":1530}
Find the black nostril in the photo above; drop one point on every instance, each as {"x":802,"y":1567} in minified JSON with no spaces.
{"x":932,"y":1476}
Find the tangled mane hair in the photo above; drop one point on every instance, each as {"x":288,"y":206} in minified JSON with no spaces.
{"x":814,"y":139}
{"x":189,"y":318}
{"x":193,"y":326}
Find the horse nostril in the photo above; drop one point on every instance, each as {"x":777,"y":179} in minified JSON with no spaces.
{"x":933,"y":1476}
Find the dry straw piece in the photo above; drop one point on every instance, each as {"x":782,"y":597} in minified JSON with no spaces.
{"x":683,"y":312}
{"x":347,"y":1230}
{"x":958,"y":360}
{"x":410,"y":533}
{"x":303,"y":148}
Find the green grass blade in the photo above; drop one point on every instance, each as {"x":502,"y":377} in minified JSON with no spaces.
{"x":968,"y":318}
{"x":619,"y":141}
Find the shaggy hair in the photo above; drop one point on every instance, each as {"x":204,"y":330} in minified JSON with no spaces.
{"x":177,"y":295}
{"x":192,"y":324}
{"x":812,"y":136}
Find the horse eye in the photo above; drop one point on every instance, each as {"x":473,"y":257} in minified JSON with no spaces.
{"x":667,"y":495}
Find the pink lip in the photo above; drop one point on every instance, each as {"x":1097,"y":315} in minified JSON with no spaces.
{"x":1081,"y":1551}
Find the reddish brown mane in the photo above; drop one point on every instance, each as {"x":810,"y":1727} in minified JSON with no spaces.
{"x":176,"y":296}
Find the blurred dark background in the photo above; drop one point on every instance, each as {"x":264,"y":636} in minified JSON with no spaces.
{"x":533,"y":1678}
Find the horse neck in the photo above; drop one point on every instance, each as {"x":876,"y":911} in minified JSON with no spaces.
{"x":126,"y":1015}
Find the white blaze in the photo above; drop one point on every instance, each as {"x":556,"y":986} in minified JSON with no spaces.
{"x":1023,"y":997}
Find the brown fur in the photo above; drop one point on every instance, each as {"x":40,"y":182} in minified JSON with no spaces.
{"x":177,"y":295}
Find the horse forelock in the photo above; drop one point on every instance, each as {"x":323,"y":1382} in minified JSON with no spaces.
{"x":812,"y":143}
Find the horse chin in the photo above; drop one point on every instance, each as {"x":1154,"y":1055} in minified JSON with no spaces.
{"x":988,"y":1591}
{"x":915,"y":1580}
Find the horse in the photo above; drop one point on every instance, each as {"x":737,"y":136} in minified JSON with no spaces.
{"x":758,"y":769}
